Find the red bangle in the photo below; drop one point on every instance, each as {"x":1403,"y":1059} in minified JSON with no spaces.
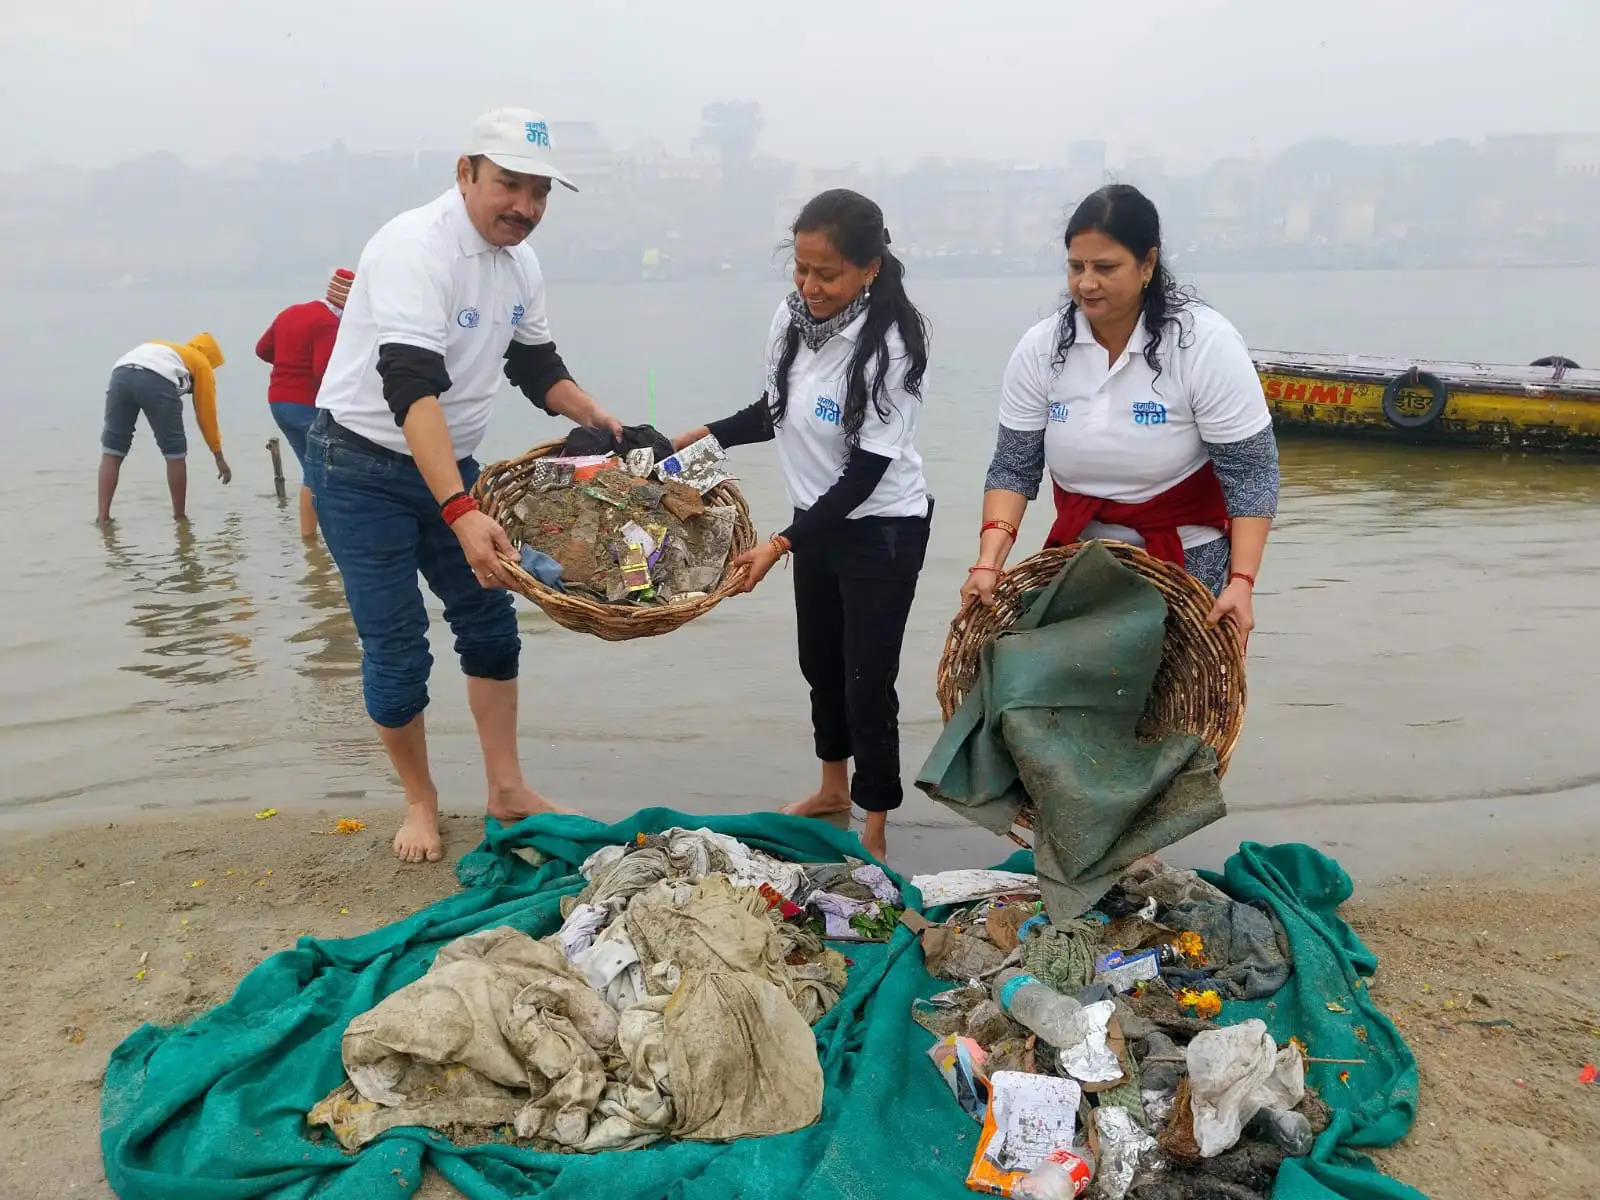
{"x":453,"y":509}
{"x":1250,"y":579}
{"x":1005,"y":527}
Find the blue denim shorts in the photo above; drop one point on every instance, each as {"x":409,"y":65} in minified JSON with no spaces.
{"x":295,"y":421}
{"x":134,"y":390}
{"x":382,"y":526}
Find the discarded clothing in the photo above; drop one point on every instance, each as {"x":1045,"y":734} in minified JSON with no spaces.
{"x":741,"y":1060}
{"x":1153,"y":879}
{"x":1246,"y":950}
{"x":496,"y":1008}
{"x":1233,"y":1073}
{"x":1061,"y":955}
{"x":715,"y":928}
{"x":837,"y":910}
{"x":584,"y":441}
{"x":1053,"y":718}
{"x":578,"y":931}
{"x":873,"y":877}
{"x":542,"y":567}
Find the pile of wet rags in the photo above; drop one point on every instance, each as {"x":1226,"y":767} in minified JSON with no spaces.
{"x":675,"y":1000}
{"x":1151,"y":1095}
{"x":626,"y":528}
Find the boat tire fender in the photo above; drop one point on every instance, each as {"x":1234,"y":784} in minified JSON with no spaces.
{"x":1414,"y":378}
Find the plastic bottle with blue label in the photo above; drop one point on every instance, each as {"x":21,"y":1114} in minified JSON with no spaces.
{"x":1056,"y":1019}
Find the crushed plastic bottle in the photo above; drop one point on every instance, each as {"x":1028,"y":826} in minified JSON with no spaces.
{"x":1063,"y":1175}
{"x":1056,"y":1019}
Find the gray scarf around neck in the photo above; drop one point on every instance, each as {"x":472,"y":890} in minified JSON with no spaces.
{"x":815,"y":333}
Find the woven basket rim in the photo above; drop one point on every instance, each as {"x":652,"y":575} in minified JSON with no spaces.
{"x":604,"y":619}
{"x":1219,"y":646}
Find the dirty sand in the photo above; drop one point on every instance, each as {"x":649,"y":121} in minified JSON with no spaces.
{"x":84,"y":910}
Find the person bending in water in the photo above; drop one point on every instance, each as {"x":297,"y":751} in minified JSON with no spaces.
{"x":846,"y":356}
{"x":445,"y":297}
{"x":152,"y":379}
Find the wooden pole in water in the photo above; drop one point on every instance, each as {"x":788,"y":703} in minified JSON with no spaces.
{"x":277,"y":470}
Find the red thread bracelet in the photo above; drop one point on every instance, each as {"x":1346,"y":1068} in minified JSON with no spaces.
{"x":453,"y":509}
{"x":1250,"y":579}
{"x":981,"y":567}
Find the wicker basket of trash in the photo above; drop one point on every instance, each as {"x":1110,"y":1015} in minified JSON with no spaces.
{"x":1199,"y":687}
{"x":625,"y":547}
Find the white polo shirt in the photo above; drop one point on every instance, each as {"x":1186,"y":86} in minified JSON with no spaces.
{"x":429,"y":279}
{"x":811,"y":440}
{"x":163,"y":360}
{"x":1117,"y":431}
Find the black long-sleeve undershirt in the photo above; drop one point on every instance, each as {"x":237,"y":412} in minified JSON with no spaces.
{"x":409,"y":373}
{"x":534,"y":370}
{"x":863,"y":471}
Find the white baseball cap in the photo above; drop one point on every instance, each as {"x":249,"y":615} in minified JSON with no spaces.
{"x":517,"y":139}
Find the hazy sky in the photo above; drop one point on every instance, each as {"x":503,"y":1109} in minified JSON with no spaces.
{"x":91,"y":81}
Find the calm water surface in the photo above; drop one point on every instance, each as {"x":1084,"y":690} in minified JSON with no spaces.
{"x":1426,"y":619}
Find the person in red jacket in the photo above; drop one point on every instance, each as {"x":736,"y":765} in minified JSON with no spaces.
{"x":298,"y":344}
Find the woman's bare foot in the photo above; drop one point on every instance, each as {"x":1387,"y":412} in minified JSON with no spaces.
{"x":418,"y":839}
{"x":512,"y":804}
{"x":873,"y":836}
{"x":823,"y":803}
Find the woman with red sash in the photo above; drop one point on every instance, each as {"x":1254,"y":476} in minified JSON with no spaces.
{"x":1145,"y":407}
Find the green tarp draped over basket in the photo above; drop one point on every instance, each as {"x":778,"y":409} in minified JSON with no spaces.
{"x":1052,"y":716}
{"x":214,"y":1110}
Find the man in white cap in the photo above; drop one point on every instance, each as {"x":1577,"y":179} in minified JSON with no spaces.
{"x":446,"y":298}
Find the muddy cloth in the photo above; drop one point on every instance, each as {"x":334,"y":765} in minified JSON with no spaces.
{"x":584,"y":441}
{"x":1062,"y":955}
{"x":741,"y":1060}
{"x":497,"y":1010}
{"x":1247,"y":951}
{"x":1052,"y":719}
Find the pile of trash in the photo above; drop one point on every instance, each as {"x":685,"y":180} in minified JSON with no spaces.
{"x":629,"y":528}
{"x":1090,"y":1051}
{"x":676,"y":1000}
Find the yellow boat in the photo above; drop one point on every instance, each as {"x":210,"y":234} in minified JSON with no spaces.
{"x":1552,"y":405}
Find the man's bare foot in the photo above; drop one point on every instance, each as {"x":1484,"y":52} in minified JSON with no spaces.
{"x":819,"y":804}
{"x":512,"y":804}
{"x":418,"y":839}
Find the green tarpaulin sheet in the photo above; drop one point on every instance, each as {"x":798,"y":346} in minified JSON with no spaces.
{"x":215,"y":1110}
{"x":1052,"y":716}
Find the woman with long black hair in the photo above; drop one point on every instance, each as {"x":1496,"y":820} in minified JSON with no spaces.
{"x":1147,"y":410}
{"x":846,"y":358}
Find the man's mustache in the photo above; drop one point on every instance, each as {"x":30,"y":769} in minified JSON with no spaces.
{"x":519,"y":222}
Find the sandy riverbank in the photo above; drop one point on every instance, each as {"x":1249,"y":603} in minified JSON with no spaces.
{"x":85,"y":909}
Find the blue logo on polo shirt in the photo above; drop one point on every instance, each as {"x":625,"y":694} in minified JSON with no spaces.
{"x":1149,"y":412}
{"x":826,"y":410}
{"x":1058,"y":410}
{"x":467,"y":318}
{"x":517,"y":313}
{"x":538,"y":133}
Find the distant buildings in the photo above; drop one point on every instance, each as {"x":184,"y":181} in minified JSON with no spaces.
{"x":720,"y":207}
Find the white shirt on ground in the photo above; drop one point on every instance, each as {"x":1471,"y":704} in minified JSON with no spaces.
{"x":163,"y":360}
{"x":429,"y":279}
{"x":811,"y":441}
{"x":1117,"y":430}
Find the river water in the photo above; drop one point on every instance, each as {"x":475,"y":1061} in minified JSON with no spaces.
{"x":1425,"y":618}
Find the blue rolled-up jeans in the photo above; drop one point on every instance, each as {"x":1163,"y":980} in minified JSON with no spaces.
{"x":382,"y":526}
